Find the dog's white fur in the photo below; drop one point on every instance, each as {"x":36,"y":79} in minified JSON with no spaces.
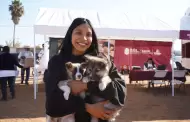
{"x":63,"y":85}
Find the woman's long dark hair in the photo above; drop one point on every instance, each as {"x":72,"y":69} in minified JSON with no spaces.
{"x":66,"y":46}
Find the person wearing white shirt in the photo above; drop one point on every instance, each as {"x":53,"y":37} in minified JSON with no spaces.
{"x":22,"y":56}
{"x":43,"y":58}
{"x":41,"y":53}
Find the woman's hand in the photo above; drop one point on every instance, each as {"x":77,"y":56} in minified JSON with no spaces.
{"x":77,"y":86}
{"x":97,"y":110}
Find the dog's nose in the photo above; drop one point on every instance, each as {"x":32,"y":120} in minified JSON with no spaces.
{"x":79,"y":76}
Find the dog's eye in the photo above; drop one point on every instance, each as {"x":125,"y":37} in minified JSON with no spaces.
{"x":89,"y":70}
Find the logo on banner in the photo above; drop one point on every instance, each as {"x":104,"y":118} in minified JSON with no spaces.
{"x":188,"y":35}
{"x":128,"y":51}
{"x":157,"y":52}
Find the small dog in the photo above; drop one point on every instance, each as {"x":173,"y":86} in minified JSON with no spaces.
{"x":97,"y":70}
{"x":74,"y":72}
{"x":94,"y":69}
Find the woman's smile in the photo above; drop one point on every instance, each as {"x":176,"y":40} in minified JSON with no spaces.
{"x":82,"y":43}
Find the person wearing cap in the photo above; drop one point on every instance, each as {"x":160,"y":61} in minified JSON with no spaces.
{"x":22,"y":56}
{"x":41,"y":53}
{"x":105,"y":50}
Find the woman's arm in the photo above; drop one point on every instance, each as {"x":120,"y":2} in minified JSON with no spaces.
{"x":115,"y":91}
{"x":17,"y":64}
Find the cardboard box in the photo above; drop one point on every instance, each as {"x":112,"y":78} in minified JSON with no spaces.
{"x":29,"y":62}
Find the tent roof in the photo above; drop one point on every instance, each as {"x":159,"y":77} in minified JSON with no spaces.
{"x":185,"y":21}
{"x":115,"y":25}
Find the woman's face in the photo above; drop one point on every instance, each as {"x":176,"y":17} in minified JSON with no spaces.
{"x":81,"y":39}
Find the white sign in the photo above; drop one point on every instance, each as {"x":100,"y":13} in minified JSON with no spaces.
{"x":128,"y":51}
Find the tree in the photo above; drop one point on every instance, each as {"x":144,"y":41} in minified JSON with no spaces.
{"x":10,"y":43}
{"x":17,"y":11}
{"x":17,"y":44}
{"x":38,"y":47}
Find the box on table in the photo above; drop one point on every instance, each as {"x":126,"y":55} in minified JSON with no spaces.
{"x":29,"y":62}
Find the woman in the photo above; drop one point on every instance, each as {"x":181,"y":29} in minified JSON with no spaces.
{"x":80,"y":39}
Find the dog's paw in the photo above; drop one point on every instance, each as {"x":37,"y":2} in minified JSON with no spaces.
{"x":62,"y":83}
{"x":63,"y":88}
{"x":106,"y":79}
{"x":85,"y":80}
{"x":102,"y":86}
{"x":66,"y":95}
{"x":112,"y":120}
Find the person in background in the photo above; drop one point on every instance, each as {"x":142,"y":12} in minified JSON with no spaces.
{"x":22,"y":56}
{"x":149,"y":65}
{"x":41,"y":53}
{"x":1,"y":50}
{"x":105,"y":50}
{"x":180,"y":67}
{"x":8,"y":62}
{"x":43,"y":58}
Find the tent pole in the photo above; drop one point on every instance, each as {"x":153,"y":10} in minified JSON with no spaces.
{"x":44,"y":38}
{"x":34,"y":79}
{"x":172,"y":54}
{"x":109,"y":49}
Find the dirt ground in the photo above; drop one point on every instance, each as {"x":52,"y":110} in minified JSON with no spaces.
{"x":141,"y":106}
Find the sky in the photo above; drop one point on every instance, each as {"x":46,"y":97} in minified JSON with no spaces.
{"x":170,"y":10}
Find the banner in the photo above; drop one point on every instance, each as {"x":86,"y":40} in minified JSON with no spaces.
{"x":184,"y":34}
{"x":136,"y":53}
{"x":185,"y":49}
{"x":186,"y":53}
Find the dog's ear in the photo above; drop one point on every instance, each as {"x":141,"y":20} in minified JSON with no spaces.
{"x":87,"y":57}
{"x":84,"y":65}
{"x":69,"y":65}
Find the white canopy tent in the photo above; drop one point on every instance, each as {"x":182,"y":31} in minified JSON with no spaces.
{"x":115,"y":25}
